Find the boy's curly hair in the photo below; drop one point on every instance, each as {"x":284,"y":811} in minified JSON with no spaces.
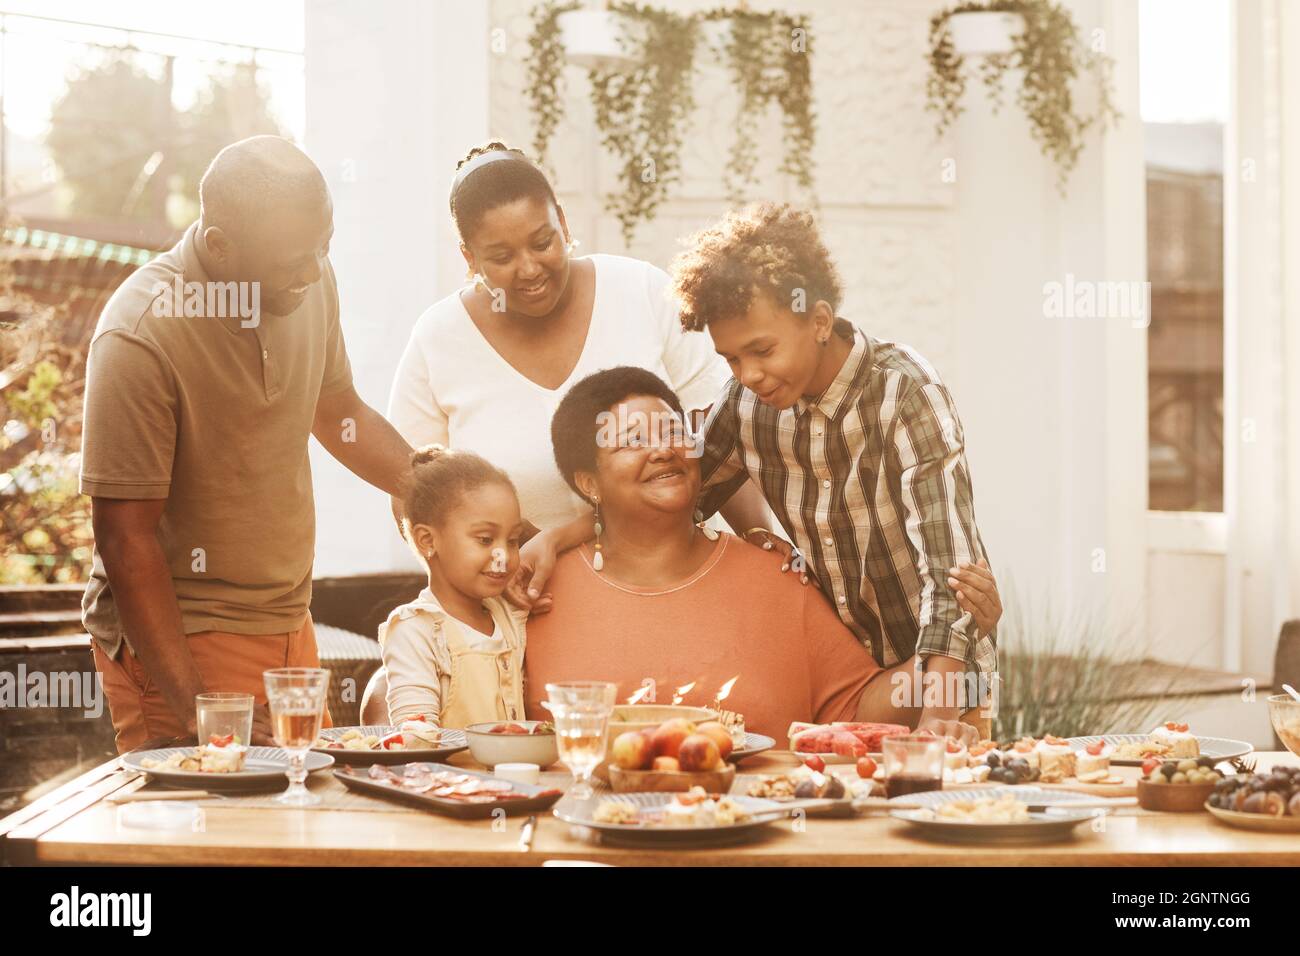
{"x":764,"y":247}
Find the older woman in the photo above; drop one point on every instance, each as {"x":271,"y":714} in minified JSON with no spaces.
{"x":655,"y":597}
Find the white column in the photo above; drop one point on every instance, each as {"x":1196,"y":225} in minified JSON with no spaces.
{"x":396,"y":93}
{"x":1258,"y":442}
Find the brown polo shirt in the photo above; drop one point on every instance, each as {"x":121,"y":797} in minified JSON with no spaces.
{"x":213,"y":414}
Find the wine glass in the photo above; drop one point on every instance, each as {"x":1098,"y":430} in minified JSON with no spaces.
{"x":296,"y":698}
{"x":581,"y":710}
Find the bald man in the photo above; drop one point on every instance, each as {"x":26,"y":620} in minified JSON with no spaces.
{"x":207,"y":372}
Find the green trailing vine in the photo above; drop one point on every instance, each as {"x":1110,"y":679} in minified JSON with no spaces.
{"x":1052,"y":57}
{"x":545,"y":66}
{"x":769,"y":58}
{"x":642,"y":110}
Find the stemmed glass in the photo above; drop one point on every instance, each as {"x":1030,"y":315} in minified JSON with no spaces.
{"x":296,"y":698}
{"x":581,"y":710}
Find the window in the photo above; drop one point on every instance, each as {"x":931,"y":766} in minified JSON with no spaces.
{"x":1184,"y":92}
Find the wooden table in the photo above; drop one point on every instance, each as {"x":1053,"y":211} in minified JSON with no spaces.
{"x":74,"y":825}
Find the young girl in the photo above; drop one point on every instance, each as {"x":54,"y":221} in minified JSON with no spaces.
{"x":455,"y":654}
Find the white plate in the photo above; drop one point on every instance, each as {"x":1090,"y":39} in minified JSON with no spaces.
{"x":1218,"y":748}
{"x":582,"y":813}
{"x":754,"y":744}
{"x":453,"y":743}
{"x":264,"y":768}
{"x":1041,"y":827}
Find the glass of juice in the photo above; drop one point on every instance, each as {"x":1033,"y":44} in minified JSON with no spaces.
{"x":913,"y":763}
{"x":581,"y":710}
{"x":296,"y":698}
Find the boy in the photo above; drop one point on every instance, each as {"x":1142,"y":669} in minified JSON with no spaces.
{"x":855,"y":444}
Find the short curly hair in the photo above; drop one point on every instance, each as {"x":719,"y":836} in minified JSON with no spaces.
{"x":576,"y":423}
{"x":765,"y":247}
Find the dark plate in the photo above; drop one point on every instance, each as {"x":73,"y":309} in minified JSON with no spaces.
{"x":536,"y":797}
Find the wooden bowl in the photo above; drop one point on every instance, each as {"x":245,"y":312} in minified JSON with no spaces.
{"x":1173,"y":797}
{"x":669,"y":781}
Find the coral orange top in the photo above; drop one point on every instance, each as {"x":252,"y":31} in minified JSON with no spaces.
{"x":738,"y":615}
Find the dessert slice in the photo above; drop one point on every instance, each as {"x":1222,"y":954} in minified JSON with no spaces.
{"x":1176,"y":737}
{"x":1055,"y":756}
{"x":221,"y":755}
{"x":1092,"y":763}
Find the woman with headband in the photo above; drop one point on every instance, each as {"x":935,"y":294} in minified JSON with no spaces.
{"x":487,"y":366}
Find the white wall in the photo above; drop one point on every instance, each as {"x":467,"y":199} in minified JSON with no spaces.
{"x":395,"y":92}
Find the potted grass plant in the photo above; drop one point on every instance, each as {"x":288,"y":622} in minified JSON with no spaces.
{"x":1075,"y":676}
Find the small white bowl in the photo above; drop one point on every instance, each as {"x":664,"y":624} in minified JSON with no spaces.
{"x":491,"y":749}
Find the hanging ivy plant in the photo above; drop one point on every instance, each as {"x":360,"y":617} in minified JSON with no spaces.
{"x":545,"y":67}
{"x":768,"y":54}
{"x":642,"y":110}
{"x":1052,"y":57}
{"x":642,"y":113}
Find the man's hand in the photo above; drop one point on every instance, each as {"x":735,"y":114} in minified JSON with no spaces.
{"x":977,"y":592}
{"x":126,"y":533}
{"x":937,"y":725}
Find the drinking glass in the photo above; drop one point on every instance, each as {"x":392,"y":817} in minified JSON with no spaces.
{"x":581,"y":710}
{"x":296,"y":698}
{"x":913,"y":763}
{"x":222,"y":714}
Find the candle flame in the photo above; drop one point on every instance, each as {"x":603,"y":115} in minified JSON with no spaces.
{"x":636,"y":697}
{"x":682,"y":691}
{"x":726,"y":689}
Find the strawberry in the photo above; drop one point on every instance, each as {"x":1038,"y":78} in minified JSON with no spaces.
{"x":218,"y":741}
{"x":815,"y":763}
{"x":866,"y":768}
{"x":1096,"y":748}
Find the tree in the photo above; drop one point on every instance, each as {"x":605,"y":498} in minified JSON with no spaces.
{"x":118,"y":140}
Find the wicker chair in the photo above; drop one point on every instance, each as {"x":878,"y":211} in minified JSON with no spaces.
{"x":351,"y":659}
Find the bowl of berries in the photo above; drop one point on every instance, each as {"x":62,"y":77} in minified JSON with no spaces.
{"x":513,"y":741}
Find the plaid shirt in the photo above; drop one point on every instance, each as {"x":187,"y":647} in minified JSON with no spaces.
{"x":870,"y":482}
